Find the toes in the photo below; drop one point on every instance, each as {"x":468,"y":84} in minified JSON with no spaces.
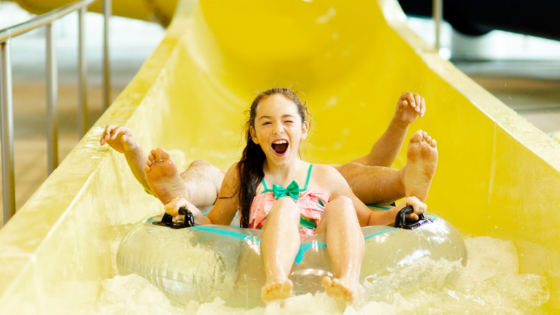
{"x":417,"y":136}
{"x":286,"y":286}
{"x":433,"y":143}
{"x":276,"y":291}
{"x":163,"y":154}
{"x":427,"y":138}
{"x":327,"y":282}
{"x":157,"y":153}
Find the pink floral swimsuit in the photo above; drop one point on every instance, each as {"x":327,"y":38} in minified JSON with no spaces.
{"x":311,"y":203}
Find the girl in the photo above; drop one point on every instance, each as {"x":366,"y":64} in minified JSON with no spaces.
{"x":275,"y":190}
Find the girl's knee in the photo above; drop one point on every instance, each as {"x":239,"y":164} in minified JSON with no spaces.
{"x":342,"y":202}
{"x":200,"y":164}
{"x":342,"y":207}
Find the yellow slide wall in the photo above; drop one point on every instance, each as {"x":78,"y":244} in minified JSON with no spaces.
{"x":497,"y":174}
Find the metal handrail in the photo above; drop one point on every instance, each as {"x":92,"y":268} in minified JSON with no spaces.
{"x":6,"y":97}
{"x":42,"y":20}
{"x":437,"y":14}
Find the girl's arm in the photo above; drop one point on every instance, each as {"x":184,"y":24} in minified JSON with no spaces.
{"x":388,"y":216}
{"x":121,"y":140}
{"x":224,"y":209}
{"x":226,"y":205}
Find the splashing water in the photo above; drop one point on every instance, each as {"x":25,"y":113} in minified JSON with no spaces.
{"x":490,"y":283}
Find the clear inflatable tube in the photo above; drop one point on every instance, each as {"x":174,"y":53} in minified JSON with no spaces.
{"x":204,"y":262}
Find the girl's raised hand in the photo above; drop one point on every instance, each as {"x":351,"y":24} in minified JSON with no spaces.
{"x":119,"y":138}
{"x":409,"y":107}
{"x":418,"y":206}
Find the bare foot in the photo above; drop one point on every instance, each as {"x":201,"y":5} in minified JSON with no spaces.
{"x":162,"y":176}
{"x":349,"y":290}
{"x":277,"y":290}
{"x":420,"y":166}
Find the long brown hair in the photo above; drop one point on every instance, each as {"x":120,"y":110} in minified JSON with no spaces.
{"x":250,"y":166}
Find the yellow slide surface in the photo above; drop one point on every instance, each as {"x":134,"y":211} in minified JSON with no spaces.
{"x":497,"y":174}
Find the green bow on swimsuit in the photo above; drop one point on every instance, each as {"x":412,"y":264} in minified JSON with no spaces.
{"x":292,"y":190}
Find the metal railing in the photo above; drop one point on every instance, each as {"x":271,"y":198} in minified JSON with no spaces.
{"x":6,"y":96}
{"x":437,"y":14}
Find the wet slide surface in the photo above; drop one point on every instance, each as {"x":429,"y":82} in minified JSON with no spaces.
{"x":497,"y":175}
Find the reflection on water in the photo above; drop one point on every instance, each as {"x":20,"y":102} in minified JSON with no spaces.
{"x":488,"y":284}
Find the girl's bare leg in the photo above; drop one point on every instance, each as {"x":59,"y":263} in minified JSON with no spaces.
{"x":280,"y":244}
{"x":345,"y":244}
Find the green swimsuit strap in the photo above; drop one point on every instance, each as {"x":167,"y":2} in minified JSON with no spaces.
{"x":265,"y":188}
{"x":308,"y":176}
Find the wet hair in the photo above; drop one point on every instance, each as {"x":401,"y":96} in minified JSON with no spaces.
{"x":250,"y":166}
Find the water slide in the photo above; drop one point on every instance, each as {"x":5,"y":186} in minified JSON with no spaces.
{"x":498,"y":175}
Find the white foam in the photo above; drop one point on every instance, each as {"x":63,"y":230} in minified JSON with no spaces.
{"x":490,"y":283}
{"x":132,"y":294}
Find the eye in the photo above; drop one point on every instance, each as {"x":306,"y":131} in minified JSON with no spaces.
{"x":289,"y":121}
{"x":266,"y":123}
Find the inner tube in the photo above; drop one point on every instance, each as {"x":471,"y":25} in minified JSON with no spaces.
{"x":203,"y":262}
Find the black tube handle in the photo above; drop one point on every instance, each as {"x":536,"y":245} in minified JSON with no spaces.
{"x":402,"y":222}
{"x":189,"y":218}
{"x":167,"y":220}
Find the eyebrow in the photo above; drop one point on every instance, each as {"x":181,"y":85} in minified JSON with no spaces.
{"x":283,"y":116}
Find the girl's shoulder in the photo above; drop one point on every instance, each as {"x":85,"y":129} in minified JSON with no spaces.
{"x":326,"y":175}
{"x":324,"y":170}
{"x":329,"y":179}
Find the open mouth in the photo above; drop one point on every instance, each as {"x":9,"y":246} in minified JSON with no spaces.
{"x":280,"y":146}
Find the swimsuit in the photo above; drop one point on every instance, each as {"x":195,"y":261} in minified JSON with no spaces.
{"x":311,"y":203}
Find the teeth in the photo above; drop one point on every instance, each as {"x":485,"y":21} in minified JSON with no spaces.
{"x":280,"y":142}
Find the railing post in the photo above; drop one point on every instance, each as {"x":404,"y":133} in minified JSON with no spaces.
{"x":82,"y":70}
{"x":8,"y":183}
{"x":106,"y":61}
{"x":6,"y":102}
{"x":52,"y":98}
{"x":437,"y":11}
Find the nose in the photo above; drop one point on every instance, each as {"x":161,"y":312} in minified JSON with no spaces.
{"x":278,"y":128}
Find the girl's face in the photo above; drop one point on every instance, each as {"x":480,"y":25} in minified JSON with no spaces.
{"x":278,"y":129}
